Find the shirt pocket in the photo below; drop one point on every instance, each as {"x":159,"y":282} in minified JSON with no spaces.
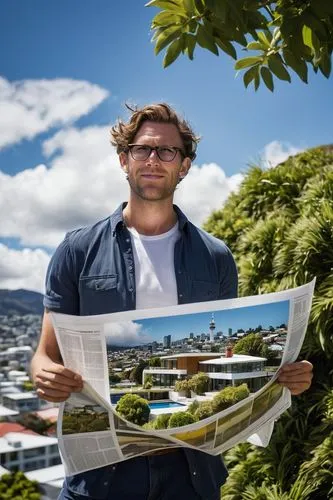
{"x":99,"y":295}
{"x":202,"y":291}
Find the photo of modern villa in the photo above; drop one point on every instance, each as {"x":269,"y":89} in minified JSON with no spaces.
{"x":180,"y":370}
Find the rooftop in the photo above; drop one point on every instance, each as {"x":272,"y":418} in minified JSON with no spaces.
{"x":6,"y":427}
{"x":21,"y":396}
{"x":198,"y":354}
{"x":235,"y":358}
{"x":14,"y":441}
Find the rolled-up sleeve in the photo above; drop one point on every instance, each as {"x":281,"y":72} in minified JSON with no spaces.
{"x":61,"y":291}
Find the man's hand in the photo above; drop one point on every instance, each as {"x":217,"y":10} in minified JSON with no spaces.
{"x":296,"y":376}
{"x":53,"y":381}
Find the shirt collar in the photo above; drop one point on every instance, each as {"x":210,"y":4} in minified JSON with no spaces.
{"x":117,"y":220}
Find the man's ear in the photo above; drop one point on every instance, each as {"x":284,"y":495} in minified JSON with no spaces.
{"x":186,"y":165}
{"x":123,"y":161}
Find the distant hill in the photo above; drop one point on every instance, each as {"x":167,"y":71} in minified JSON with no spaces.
{"x":20,"y":302}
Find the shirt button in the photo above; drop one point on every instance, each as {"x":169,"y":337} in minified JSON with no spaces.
{"x":106,"y":483}
{"x":194,"y":473}
{"x":180,"y":295}
{"x":130,"y":268}
{"x":114,"y":467}
{"x":131,"y":289}
{"x":127,"y":240}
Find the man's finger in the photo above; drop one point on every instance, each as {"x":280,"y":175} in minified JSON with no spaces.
{"x":50,"y":384}
{"x":64,"y":372}
{"x":297,"y":388}
{"x":302,"y":366}
{"x":58,"y":378}
{"x":52,"y":395}
{"x":296,"y":378}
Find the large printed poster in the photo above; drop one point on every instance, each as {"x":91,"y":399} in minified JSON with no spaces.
{"x":199,"y":375}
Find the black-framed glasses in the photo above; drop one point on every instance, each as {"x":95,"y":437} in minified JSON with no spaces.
{"x":141,"y":152}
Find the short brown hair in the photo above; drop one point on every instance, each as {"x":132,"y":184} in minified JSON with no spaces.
{"x":122,"y":134}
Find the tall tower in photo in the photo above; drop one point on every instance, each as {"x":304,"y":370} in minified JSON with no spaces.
{"x":212,"y":328}
{"x":167,"y":341}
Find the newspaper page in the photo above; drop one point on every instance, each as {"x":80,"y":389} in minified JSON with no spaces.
{"x":169,"y":377}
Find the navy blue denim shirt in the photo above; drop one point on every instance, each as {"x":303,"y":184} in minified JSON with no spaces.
{"x":92,"y":272}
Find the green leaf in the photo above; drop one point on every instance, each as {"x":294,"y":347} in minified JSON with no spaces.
{"x":315,"y":24}
{"x":297,"y":64}
{"x":189,"y":7}
{"x":166,"y":18}
{"x":267,"y":77}
{"x":307,"y":36}
{"x":227,"y":47}
{"x":200,"y":6}
{"x":256,"y":79}
{"x":249,"y":75}
{"x":325,"y":64}
{"x":192,"y":26}
{"x":166,"y":37}
{"x":255,"y":46}
{"x":172,"y":52}
{"x":173,"y":5}
{"x":246,"y":62}
{"x":237,"y":11}
{"x":221,"y":10}
{"x":263,"y":38}
{"x":190,"y":42}
{"x":206,"y":40}
{"x":275,"y":64}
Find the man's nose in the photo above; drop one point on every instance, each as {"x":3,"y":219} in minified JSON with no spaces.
{"x":153,"y":156}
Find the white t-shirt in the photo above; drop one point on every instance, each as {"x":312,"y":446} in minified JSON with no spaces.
{"x":155,"y":277}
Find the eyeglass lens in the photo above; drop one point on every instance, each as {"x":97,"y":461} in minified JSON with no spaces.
{"x":143,"y":152}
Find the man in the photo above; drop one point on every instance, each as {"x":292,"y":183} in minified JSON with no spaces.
{"x":147,"y":254}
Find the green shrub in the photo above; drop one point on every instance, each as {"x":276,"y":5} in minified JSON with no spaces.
{"x":204,"y":410}
{"x":199,"y":383}
{"x":183,"y":386}
{"x":162,"y":421}
{"x":229,"y":396}
{"x":180,"y":418}
{"x":155,"y":361}
{"x":134,"y":408}
{"x":242,"y":392}
{"x":16,"y":486}
{"x":193,"y":406}
{"x":148,"y":381}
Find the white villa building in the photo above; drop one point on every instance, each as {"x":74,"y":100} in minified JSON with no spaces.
{"x":222,"y":370}
{"x":235,"y":370}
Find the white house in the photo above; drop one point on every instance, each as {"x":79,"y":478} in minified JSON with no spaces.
{"x":23,"y":451}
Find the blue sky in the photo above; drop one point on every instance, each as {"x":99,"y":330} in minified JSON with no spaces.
{"x":180,"y":326}
{"x":66,"y":70}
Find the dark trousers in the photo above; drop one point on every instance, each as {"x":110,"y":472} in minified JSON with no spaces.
{"x":159,"y":477}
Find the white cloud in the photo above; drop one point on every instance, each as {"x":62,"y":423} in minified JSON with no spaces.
{"x":84,"y":183}
{"x":23,"y":268}
{"x":277,"y":152}
{"x":29,"y":107}
{"x":125,"y":333}
{"x":205,"y":189}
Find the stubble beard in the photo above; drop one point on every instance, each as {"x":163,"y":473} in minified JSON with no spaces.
{"x":151,"y":194}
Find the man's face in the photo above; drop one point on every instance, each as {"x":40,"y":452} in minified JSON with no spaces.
{"x":154,"y":179}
